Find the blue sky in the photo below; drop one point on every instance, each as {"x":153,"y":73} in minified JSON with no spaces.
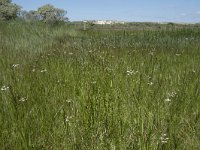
{"x":124,"y":10}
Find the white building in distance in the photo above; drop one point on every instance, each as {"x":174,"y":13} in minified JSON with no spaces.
{"x":104,"y":22}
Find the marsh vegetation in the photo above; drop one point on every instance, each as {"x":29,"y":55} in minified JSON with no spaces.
{"x":63,"y":88}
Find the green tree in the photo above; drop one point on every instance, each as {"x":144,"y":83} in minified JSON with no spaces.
{"x":8,"y":10}
{"x":49,"y":14}
{"x":29,"y":15}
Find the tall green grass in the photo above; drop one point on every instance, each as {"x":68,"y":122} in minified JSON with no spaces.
{"x":67,"y":89}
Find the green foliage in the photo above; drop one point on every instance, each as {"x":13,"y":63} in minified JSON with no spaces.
{"x":50,"y":14}
{"x":8,"y":10}
{"x":4,"y":2}
{"x":91,"y":24}
{"x":95,"y":90}
{"x":29,"y":15}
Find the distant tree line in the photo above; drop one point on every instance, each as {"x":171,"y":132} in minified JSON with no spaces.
{"x":47,"y":13}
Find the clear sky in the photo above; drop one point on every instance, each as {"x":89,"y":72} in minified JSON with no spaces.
{"x":124,"y":10}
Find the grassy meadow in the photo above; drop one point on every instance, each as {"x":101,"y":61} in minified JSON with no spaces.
{"x":63,"y":88}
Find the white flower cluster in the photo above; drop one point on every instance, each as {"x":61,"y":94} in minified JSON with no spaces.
{"x":131,"y":72}
{"x":170,"y":96}
{"x":44,"y":70}
{"x":150,"y":83}
{"x":4,"y":88}
{"x":68,"y":118}
{"x":15,"y":65}
{"x":164,"y":139}
{"x":23,"y":99}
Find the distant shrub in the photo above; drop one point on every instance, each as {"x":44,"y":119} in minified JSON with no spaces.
{"x":8,"y":10}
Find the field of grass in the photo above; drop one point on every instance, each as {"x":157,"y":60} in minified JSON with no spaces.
{"x":84,"y":90}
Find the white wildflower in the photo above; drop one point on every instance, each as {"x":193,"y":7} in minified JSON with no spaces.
{"x":33,"y":70}
{"x":70,"y":53}
{"x":167,"y":100}
{"x":69,"y":101}
{"x":131,"y":72}
{"x":4,"y":88}
{"x":150,"y":83}
{"x":178,"y":54}
{"x":67,"y":119}
{"x":15,"y":65}
{"x":23,"y":99}
{"x":164,"y":139}
{"x":172,"y":94}
{"x":44,"y":70}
